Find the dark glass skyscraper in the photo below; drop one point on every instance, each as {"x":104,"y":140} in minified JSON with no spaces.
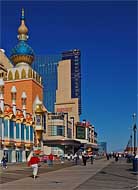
{"x":75,"y":57}
{"x":46,"y":66}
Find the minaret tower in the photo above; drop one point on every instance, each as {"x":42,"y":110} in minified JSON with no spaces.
{"x":22,"y":76}
{"x":22,"y":53}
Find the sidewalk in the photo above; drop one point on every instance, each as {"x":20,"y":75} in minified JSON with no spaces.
{"x":102,"y":175}
{"x":67,"y":178}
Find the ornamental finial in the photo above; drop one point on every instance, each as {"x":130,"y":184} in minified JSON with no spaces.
{"x":22,"y":30}
{"x":22,"y":17}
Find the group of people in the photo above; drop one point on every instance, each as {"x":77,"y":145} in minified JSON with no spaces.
{"x":116,"y":156}
{"x":86,"y":156}
{"x":83,"y":155}
{"x":34,"y":161}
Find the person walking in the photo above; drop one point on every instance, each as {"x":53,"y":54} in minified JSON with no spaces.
{"x":92,"y":158}
{"x":84,"y":158}
{"x":107,"y":156}
{"x":76,"y":158}
{"x":4,"y":162}
{"x":34,"y":164}
{"x":116,"y":157}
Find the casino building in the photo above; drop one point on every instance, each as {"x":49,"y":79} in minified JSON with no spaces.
{"x":21,"y":96}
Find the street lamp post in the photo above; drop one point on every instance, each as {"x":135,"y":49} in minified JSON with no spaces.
{"x":134,"y":130}
{"x":131,"y":148}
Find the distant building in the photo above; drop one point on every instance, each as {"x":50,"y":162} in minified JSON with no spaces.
{"x":86,"y":134}
{"x":64,"y":102}
{"x":46,"y":66}
{"x":75,"y":57}
{"x":102,"y":147}
{"x":58,"y":137}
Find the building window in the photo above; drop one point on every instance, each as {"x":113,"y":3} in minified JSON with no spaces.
{"x":27,"y":132}
{"x":30,"y":73}
{"x":23,"y":74}
{"x":60,"y":131}
{"x":69,"y":133}
{"x":10,"y":76}
{"x":57,"y":131}
{"x":5,"y":128}
{"x":22,"y":131}
{"x":80,"y":132}
{"x":53,"y":130}
{"x":17,"y":75}
{"x":31,"y":133}
{"x":17,"y":131}
{"x":11,"y":129}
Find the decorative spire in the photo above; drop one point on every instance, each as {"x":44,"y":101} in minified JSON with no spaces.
{"x":22,"y":52}
{"x":22,"y":17}
{"x":22,"y":30}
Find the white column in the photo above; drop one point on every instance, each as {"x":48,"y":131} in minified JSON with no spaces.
{"x":13,"y":93}
{"x":13,"y":156}
{"x":2,"y":103}
{"x":1,"y":94}
{"x":24,"y":103}
{"x":23,"y":156}
{"x":72,"y":126}
{"x":14,"y":131}
{"x":86,"y":133}
{"x":1,"y":154}
{"x":2,"y":130}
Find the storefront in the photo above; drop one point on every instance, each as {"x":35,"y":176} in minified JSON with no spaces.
{"x":61,"y":147}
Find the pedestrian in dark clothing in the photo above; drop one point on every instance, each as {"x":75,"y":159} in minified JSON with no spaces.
{"x":107,"y":156}
{"x":84,"y":158}
{"x":92,"y":158}
{"x":116,"y":157}
{"x":4,"y":162}
{"x":76,"y":158}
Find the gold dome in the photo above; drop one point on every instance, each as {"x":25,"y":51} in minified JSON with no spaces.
{"x":22,"y":28}
{"x":38,"y":109}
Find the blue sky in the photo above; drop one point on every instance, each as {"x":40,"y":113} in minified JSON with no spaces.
{"x":106,"y":34}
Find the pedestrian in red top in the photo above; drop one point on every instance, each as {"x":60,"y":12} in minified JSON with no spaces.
{"x":34,"y":164}
{"x":50,"y":158}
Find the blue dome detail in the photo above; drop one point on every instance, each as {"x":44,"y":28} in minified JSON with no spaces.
{"x":22,"y":48}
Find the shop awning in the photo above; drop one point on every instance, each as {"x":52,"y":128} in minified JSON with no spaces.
{"x":62,"y":142}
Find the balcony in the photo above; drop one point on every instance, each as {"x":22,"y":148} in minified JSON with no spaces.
{"x":8,"y":142}
{"x":28,"y":145}
{"x":19,"y":144}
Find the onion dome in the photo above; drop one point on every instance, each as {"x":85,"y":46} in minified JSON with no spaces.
{"x":22,"y":52}
{"x":22,"y":28}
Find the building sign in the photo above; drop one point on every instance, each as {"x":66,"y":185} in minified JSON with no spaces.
{"x":80,"y":132}
{"x":38,"y":120}
{"x":64,"y":110}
